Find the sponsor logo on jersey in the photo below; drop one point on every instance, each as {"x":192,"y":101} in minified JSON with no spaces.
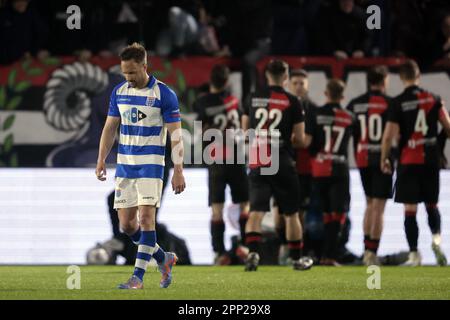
{"x":134,"y":115}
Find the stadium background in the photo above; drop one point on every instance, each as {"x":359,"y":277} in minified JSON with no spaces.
{"x":52,"y":111}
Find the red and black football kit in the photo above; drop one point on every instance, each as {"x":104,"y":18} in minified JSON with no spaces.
{"x":417,"y":112}
{"x":330,"y":127}
{"x":273,"y":111}
{"x":370,"y":111}
{"x":222,"y":111}
{"x":303,"y":164}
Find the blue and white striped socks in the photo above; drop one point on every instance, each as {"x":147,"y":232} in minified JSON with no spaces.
{"x":146,"y":249}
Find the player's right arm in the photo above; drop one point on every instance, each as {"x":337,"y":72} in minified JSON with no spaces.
{"x":106,"y":143}
{"x":390,"y":133}
{"x":108,"y":136}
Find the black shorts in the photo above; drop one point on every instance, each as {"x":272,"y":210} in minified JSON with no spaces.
{"x":333,"y":193}
{"x":283,"y":186}
{"x":304,"y":195}
{"x":417,"y":183}
{"x":376,"y":184}
{"x":221,"y":175}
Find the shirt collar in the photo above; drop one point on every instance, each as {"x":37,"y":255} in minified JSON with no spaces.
{"x":151,"y":81}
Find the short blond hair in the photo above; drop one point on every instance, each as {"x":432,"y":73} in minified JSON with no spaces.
{"x":134,"y":51}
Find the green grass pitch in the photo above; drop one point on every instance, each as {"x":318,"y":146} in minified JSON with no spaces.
{"x":211,"y":282}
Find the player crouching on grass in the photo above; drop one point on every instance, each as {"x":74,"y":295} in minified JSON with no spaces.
{"x":273,"y":112}
{"x":145,"y":109}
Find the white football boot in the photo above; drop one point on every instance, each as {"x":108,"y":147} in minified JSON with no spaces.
{"x":414,"y":259}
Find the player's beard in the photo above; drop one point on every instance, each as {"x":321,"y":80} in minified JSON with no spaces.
{"x":132,"y":84}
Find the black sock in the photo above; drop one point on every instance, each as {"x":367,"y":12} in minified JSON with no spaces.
{"x":434,"y":218}
{"x":373,"y":245}
{"x":295,"y":249}
{"x":411,"y":229}
{"x":281,"y":232}
{"x":331,"y":228}
{"x":253,"y":241}
{"x":366,"y":241}
{"x":217,"y":232}
{"x":242,"y":222}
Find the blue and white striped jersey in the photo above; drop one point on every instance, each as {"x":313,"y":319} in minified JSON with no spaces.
{"x":143,"y":114}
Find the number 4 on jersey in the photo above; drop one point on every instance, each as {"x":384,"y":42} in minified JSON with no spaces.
{"x":421,"y":123}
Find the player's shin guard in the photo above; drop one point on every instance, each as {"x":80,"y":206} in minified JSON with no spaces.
{"x":253,"y":241}
{"x":434,"y":218}
{"x":411,"y":229}
{"x":295,"y":249}
{"x":217,"y":233}
{"x":242,"y":222}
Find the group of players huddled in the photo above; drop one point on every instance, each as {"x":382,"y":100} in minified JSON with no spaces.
{"x":312,"y":147}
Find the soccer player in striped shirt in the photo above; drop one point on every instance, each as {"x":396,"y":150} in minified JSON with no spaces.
{"x":145,"y":109}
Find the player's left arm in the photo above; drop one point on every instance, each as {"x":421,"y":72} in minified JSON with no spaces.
{"x":172,"y":119}
{"x":245,"y":119}
{"x":310,"y":123}
{"x":176,"y":139}
{"x":298,"y":130}
{"x":444,"y":119}
{"x":298,"y":135}
{"x":245,"y":122}
{"x":307,"y":140}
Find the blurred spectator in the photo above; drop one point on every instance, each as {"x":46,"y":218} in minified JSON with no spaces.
{"x":440,"y":47}
{"x":408,"y":29}
{"x":292,"y":20}
{"x":415,"y":29}
{"x":208,"y":37}
{"x":342,"y":31}
{"x":23,"y":33}
{"x":249,"y":27}
{"x":182,"y":34}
